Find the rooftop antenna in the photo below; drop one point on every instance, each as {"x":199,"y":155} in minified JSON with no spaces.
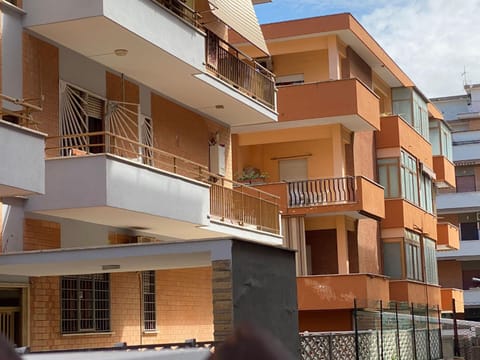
{"x":464,"y":76}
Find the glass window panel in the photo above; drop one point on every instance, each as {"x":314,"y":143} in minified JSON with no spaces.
{"x":393,"y":267}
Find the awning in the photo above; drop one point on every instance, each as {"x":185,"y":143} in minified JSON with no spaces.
{"x":240,"y":16}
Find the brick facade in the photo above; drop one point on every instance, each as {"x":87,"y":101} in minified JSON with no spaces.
{"x":184,"y":311}
{"x":41,"y":77}
{"x":41,"y":235}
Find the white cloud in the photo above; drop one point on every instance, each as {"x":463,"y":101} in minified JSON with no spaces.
{"x":431,"y":40}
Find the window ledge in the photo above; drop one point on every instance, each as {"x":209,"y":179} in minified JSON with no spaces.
{"x":150,"y":332}
{"x":90,"y":333}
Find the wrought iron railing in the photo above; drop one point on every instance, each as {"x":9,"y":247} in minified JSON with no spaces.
{"x":182,"y":10}
{"x":321,"y":191}
{"x":241,"y":71}
{"x":227,"y":62}
{"x":230,"y":201}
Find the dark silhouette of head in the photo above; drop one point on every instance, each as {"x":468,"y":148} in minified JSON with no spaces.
{"x":7,"y":351}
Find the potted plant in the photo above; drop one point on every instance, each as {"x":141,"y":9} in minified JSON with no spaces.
{"x":252,"y":175}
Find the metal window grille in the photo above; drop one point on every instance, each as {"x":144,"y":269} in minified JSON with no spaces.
{"x":85,"y":303}
{"x":149,"y":308}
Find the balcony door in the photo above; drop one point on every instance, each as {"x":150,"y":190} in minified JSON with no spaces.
{"x":81,"y":121}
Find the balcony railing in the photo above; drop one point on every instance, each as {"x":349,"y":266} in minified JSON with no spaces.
{"x":321,"y":191}
{"x":229,"y":201}
{"x":227,"y":62}
{"x":241,"y":71}
{"x":181,"y":10}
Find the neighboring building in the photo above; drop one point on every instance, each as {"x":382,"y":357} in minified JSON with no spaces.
{"x":352,"y":162}
{"x":128,"y":227}
{"x":461,"y":269}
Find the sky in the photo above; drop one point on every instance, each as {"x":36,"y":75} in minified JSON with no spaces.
{"x":435,"y":42}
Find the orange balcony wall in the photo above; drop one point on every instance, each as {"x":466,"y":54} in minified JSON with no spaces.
{"x":448,"y":295}
{"x":445,"y":171}
{"x":396,"y":133}
{"x":415,"y":292}
{"x":357,"y":196}
{"x":447,"y":237}
{"x":400,"y":213}
{"x":334,"y":292}
{"x":349,"y":102}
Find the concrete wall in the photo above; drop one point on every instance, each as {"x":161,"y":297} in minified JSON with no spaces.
{"x":264,"y":290}
{"x":11,"y":54}
{"x":184,"y":311}
{"x":82,"y":71}
{"x":12,"y":216}
{"x":22,"y":171}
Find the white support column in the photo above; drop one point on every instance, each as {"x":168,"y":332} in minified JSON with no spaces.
{"x":342,"y":246}
{"x":333,"y":58}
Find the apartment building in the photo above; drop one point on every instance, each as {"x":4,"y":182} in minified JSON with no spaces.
{"x":120,"y":220}
{"x":354,"y":161}
{"x":461,"y":269}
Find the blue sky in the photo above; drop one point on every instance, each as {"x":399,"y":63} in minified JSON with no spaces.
{"x":433,"y":41}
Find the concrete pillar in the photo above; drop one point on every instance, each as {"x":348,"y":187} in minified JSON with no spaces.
{"x":333,"y":58}
{"x":342,"y":245}
{"x":338,"y":151}
{"x":294,"y":238}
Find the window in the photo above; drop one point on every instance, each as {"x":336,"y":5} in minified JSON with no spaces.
{"x":408,"y":170}
{"x":469,"y":231}
{"x":413,"y":256}
{"x":149,"y":308}
{"x":431,"y":273}
{"x":408,"y":104}
{"x":85,"y":303}
{"x":393,"y":259}
{"x":426,"y":193}
{"x":441,"y":139}
{"x":465,"y":178}
{"x":388,"y":177}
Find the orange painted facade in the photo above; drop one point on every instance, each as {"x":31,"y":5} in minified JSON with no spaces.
{"x":445,"y":170}
{"x":448,"y":295}
{"x":329,"y":99}
{"x":448,"y":237}
{"x":400,"y":213}
{"x":339,"y":291}
{"x":415,"y":292}
{"x":323,"y":79}
{"x":396,"y":133}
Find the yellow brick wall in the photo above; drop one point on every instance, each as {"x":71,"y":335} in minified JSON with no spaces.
{"x":41,"y":235}
{"x":186,"y":134}
{"x":184,"y":311}
{"x":41,"y":77}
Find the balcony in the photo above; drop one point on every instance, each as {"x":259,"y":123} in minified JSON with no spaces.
{"x":348,"y":102}
{"x":400,"y":213}
{"x":22,"y":168}
{"x":445,"y":172}
{"x":122,"y":183}
{"x":458,"y":202}
{"x":448,"y":295}
{"x":447,"y":237}
{"x":160,"y":44}
{"x":396,"y":132}
{"x":353,"y":196}
{"x":471,"y":297}
{"x":415,"y":292}
{"x":328,"y":292}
